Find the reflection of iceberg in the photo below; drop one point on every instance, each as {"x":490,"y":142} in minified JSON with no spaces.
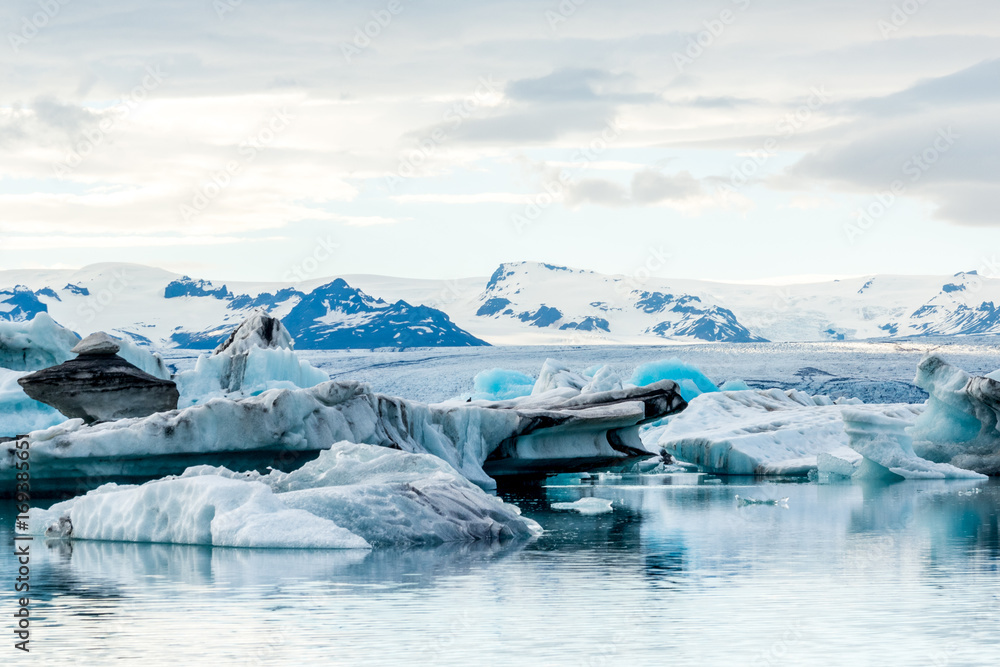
{"x":352,"y":496}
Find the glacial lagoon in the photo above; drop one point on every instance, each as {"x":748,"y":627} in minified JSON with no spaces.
{"x":678,"y":572}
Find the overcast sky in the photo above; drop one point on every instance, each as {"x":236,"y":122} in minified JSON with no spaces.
{"x":245,"y":139}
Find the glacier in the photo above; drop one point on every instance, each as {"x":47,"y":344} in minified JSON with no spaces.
{"x":352,"y":496}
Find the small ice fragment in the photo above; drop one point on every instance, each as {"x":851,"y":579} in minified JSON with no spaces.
{"x":586,"y":506}
{"x":783,"y":502}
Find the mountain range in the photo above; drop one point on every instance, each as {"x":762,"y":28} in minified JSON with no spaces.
{"x":520,"y":303}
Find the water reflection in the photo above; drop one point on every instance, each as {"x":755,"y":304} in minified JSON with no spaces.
{"x":903,"y":574}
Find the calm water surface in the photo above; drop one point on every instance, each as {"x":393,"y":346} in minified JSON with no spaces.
{"x":677,"y":573}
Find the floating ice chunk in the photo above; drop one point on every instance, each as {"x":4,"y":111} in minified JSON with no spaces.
{"x":769,"y":432}
{"x":888,"y":449}
{"x":960,"y":425}
{"x":298,"y":420}
{"x":498,"y":384}
{"x":208,"y":510}
{"x":352,"y":496}
{"x":34,"y":345}
{"x":586,"y":506}
{"x":691,"y":380}
{"x":778,"y":502}
{"x":392,"y":497}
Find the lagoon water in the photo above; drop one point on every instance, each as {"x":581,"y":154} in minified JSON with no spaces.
{"x":679,"y":572}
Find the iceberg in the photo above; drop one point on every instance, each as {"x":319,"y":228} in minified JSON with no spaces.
{"x":41,"y":343}
{"x":100,"y":385}
{"x":352,"y":497}
{"x":586,"y":506}
{"x":34,"y":345}
{"x":556,"y":376}
{"x":888,"y":451}
{"x":766,"y":432}
{"x":960,"y":425}
{"x":258,"y":355}
{"x":498,"y":384}
{"x":690,"y":379}
{"x":554,"y":379}
{"x":566,"y":428}
{"x":281,"y":427}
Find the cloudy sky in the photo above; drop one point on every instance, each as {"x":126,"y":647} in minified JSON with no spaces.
{"x":742,"y":139}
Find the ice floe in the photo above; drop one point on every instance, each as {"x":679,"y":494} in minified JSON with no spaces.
{"x":960,"y":425}
{"x":352,"y":496}
{"x":887,"y":449}
{"x":767,"y":432}
{"x":586,"y":506}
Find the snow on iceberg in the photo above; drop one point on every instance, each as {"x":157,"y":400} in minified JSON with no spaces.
{"x":202,"y":510}
{"x":258,"y":355}
{"x":556,"y":376}
{"x":960,"y":425}
{"x":888,"y":449}
{"x":352,"y":496}
{"x":769,"y":432}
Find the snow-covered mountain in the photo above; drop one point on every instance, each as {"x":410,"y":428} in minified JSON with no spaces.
{"x":521,"y":303}
{"x":164,"y":309}
{"x":528,"y":302}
